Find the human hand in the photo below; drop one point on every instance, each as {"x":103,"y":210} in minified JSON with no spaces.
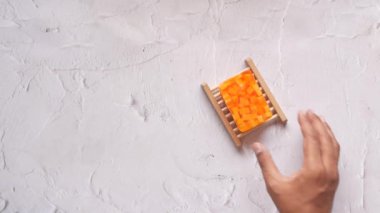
{"x":313,"y":187}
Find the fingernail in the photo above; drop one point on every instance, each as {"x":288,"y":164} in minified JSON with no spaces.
{"x":257,"y":148}
{"x":323,"y":119}
{"x":310,"y":114}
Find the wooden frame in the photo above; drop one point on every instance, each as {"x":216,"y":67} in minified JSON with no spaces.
{"x":224,"y":114}
{"x":266,"y":89}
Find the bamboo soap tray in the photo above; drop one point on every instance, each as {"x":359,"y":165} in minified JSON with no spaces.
{"x":244,"y":103}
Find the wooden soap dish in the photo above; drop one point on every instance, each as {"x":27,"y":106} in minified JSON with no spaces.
{"x":215,"y":97}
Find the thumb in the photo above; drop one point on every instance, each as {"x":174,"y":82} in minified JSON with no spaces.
{"x":268,"y":167}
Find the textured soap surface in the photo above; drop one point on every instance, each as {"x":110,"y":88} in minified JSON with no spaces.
{"x":245,"y":101}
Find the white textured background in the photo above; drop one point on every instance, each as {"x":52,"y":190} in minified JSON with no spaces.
{"x":101,"y":108}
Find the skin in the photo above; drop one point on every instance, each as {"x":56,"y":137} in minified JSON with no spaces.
{"x":313,"y":187}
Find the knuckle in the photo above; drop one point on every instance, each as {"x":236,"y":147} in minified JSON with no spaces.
{"x":337,"y":146}
{"x":317,"y":172}
{"x":330,"y":182}
{"x":319,"y":169}
{"x":333,"y":178}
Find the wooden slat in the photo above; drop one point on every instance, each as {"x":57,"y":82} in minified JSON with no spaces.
{"x":259,"y":126}
{"x":267,"y":91}
{"x":221,"y":115}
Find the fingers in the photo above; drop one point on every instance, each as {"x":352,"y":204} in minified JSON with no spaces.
{"x":268,"y":167}
{"x":311,"y":145}
{"x":334,"y":141}
{"x":328,"y":152}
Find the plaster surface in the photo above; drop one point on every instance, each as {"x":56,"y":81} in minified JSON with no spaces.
{"x":101,"y":108}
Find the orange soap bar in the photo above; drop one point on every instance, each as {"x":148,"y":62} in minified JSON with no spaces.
{"x":245,"y":101}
